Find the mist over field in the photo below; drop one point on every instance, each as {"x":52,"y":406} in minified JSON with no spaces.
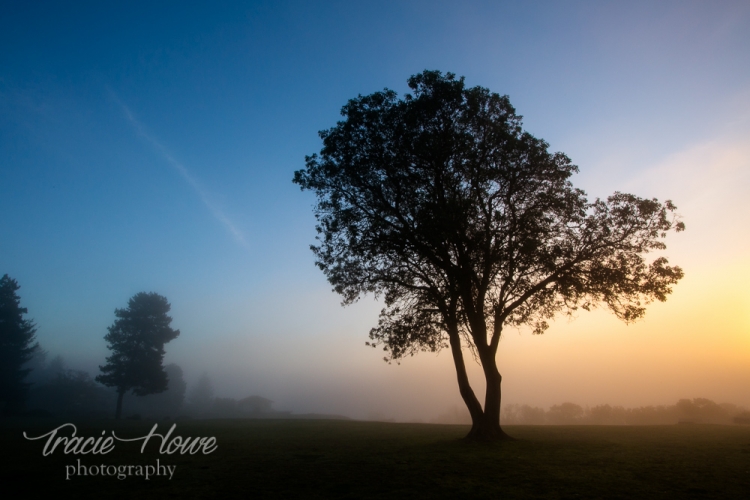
{"x":151,"y":148}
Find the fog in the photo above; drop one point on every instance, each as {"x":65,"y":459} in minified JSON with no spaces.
{"x":160,"y":159}
{"x":315,"y":360}
{"x":291,"y":341}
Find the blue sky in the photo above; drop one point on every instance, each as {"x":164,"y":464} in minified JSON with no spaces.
{"x":151,"y":148}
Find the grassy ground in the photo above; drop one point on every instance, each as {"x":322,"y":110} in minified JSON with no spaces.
{"x":346,"y":459}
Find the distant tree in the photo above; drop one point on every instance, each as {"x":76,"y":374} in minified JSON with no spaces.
{"x":17,"y":347}
{"x":510,"y":414}
{"x":203,"y":392}
{"x":565,"y":414}
{"x":607,"y":415}
{"x":174,"y":398}
{"x":652,"y":415}
{"x":701,"y":410}
{"x":731,"y":409}
{"x":55,"y":366}
{"x":171,"y":401}
{"x":167,"y":403}
{"x":532,"y":415}
{"x":37,"y":366}
{"x":465,"y":225}
{"x":137,"y":339}
{"x":202,"y":395}
{"x":42,"y":369}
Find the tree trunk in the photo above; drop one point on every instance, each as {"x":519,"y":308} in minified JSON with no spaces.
{"x":485,"y":424}
{"x":464,"y":387}
{"x":487,"y":428}
{"x":118,"y":411}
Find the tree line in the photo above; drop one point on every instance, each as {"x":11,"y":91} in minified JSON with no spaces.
{"x":684,"y":411}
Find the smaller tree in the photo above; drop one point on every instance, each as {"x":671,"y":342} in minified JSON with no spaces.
{"x":17,"y":346}
{"x":137,"y":339}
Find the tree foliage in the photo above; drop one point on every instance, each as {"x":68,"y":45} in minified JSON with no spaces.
{"x":465,"y":224}
{"x":137,"y":339}
{"x":17,"y":346}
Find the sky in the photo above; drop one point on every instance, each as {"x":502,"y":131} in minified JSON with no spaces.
{"x":150,"y":146}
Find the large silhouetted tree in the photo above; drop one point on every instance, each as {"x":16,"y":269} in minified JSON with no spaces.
{"x":137,"y":339}
{"x":466,"y":225}
{"x":17,"y":347}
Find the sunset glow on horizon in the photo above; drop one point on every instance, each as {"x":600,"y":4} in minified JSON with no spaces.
{"x":152,"y":148}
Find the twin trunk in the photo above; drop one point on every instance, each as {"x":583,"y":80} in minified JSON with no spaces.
{"x":485,"y":423}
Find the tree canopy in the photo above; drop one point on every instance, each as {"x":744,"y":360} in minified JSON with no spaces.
{"x":465,"y":224}
{"x":137,"y":339}
{"x":17,"y":346}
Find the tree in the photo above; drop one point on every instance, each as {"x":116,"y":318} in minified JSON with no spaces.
{"x":137,"y":339}
{"x":202,"y":395}
{"x":17,"y":346}
{"x":465,"y":225}
{"x":565,"y":414}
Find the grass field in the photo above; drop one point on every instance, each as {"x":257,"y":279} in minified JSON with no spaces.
{"x":349,"y":459}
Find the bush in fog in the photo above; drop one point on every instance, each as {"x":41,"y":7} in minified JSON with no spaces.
{"x":71,"y":393}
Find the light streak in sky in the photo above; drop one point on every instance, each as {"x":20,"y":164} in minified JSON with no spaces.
{"x":218,"y":214}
